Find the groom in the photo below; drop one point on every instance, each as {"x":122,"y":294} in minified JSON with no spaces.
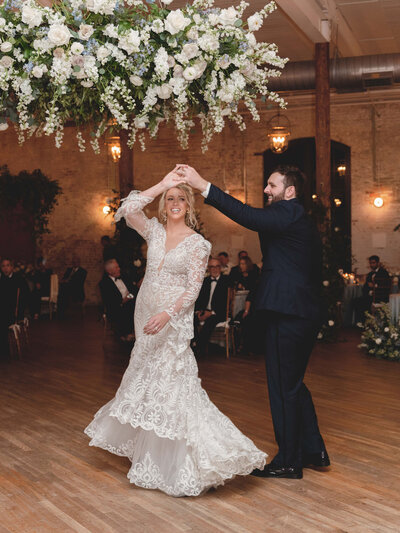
{"x":288,"y":294}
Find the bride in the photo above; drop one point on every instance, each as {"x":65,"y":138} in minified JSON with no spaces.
{"x":161,"y":418}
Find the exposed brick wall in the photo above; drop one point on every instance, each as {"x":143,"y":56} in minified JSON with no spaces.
{"x":78,"y":222}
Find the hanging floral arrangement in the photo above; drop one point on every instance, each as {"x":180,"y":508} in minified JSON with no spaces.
{"x":131,"y":65}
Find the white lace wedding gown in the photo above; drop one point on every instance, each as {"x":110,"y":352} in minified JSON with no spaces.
{"x":161,"y":418}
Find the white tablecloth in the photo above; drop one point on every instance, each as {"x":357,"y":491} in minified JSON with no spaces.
{"x":394,"y":304}
{"x":350,"y":292}
{"x":239,"y":302}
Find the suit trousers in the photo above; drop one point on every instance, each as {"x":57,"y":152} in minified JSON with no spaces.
{"x":289,"y":342}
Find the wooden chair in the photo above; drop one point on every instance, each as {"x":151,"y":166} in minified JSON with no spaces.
{"x":51,"y":300}
{"x":223,"y":331}
{"x":18,"y":334}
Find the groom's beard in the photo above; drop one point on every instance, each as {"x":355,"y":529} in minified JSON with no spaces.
{"x":276,"y":198}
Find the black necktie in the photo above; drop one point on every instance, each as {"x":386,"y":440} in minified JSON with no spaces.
{"x":118,"y":278}
{"x":213,"y":279}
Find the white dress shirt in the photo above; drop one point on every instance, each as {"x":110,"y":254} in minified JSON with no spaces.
{"x":205,"y":193}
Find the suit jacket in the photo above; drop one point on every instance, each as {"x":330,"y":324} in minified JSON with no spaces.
{"x":75,"y":283}
{"x":291,"y":276}
{"x":219,"y":299}
{"x":111,"y":297}
{"x":382,"y":281}
{"x":8,"y":298}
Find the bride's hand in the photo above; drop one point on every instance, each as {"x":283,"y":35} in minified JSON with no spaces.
{"x":156,"y":323}
{"x":171,"y":179}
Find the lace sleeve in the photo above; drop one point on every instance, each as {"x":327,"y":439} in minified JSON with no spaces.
{"x":132,"y":210}
{"x":196,"y":271}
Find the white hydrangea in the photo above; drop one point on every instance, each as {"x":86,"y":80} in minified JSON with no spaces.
{"x":102,"y":7}
{"x":111,"y":31}
{"x":102,"y":53}
{"x":161,"y":63}
{"x":130,"y":41}
{"x":209,"y":42}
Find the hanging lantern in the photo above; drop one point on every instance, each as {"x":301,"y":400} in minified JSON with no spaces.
{"x":114,"y":147}
{"x":338,"y":202}
{"x":341,"y":170}
{"x":278,"y":131}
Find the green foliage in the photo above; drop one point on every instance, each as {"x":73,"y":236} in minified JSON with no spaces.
{"x":34,"y":191}
{"x":380,"y":337}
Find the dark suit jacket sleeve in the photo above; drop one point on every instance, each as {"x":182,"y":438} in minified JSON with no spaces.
{"x":275,"y":219}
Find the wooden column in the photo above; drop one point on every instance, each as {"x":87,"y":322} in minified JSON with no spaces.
{"x":322,"y":123}
{"x":125,"y":166}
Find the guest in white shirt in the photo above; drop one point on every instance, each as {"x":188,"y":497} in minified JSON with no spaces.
{"x":226,"y":265}
{"x":119,"y":296}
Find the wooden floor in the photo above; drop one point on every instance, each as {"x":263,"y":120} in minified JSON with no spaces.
{"x":52,"y":481}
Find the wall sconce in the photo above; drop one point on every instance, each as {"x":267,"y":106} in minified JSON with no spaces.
{"x":278,"y":132}
{"x":341,"y":170}
{"x":106,"y":209}
{"x":314,"y":197}
{"x":378,"y":201}
{"x":338,"y":202}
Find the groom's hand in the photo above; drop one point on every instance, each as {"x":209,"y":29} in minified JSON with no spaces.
{"x":190,"y":176}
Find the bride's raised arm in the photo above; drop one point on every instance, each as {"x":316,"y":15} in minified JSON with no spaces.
{"x":132,"y":206}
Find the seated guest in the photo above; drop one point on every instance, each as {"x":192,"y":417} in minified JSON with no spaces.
{"x":13,"y":298}
{"x":119,"y":297}
{"x":210,"y":307}
{"x":226,"y":266}
{"x":235,"y":270}
{"x":375,"y":290}
{"x":41,"y":285}
{"x":249,"y":337}
{"x":71,"y":288}
{"x":247,"y":277}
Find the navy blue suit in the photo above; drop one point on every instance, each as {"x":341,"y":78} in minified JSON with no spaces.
{"x":288,"y":293}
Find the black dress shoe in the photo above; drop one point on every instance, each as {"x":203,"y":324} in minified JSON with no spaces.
{"x":288,"y":472}
{"x":316,"y":459}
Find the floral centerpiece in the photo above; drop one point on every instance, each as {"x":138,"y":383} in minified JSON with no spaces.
{"x":380,"y":337}
{"x":131,"y":65}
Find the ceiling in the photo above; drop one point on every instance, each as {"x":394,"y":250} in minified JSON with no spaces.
{"x":353,"y":27}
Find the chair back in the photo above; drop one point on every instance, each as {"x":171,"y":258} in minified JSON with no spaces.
{"x":53,"y":288}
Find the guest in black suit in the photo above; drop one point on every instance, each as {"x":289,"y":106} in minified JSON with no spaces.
{"x":210,"y":306}
{"x":41,"y":285}
{"x":288,"y":293}
{"x":375,"y":290}
{"x":13,"y":299}
{"x":119,"y":296}
{"x":71,"y":288}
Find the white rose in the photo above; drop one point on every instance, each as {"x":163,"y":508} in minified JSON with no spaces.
{"x":386,"y":330}
{"x":6,"y":47}
{"x":325,"y":283}
{"x":2,"y":22}
{"x":255,"y":22}
{"x":178,"y":71}
{"x":59,"y":34}
{"x":37,"y":71}
{"x":213,"y":19}
{"x":136,"y":80}
{"x":58,"y":52}
{"x":102,"y":53}
{"x":3,"y":126}
{"x":190,"y":73}
{"x":87,"y":83}
{"x":228,"y":17}
{"x":6,"y":61}
{"x":157,"y":26}
{"x":85,"y":31}
{"x":171,"y":61}
{"x":31,"y":16}
{"x":224,"y":62}
{"x":209,"y":42}
{"x":190,"y":50}
{"x":176,"y":22}
{"x":130,"y":42}
{"x":77,"y":48}
{"x":164,"y":91}
{"x":331,"y":323}
{"x":192,"y":34}
{"x":378,"y":341}
{"x":200,"y":67}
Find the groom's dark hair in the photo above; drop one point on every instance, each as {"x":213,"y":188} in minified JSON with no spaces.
{"x":293,"y":176}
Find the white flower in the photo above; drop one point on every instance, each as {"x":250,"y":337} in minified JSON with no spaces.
{"x":178,"y":71}
{"x":77,"y":48}
{"x":228,"y":17}
{"x":378,"y":341}
{"x":3,"y":126}
{"x":360,"y":325}
{"x":209,"y":42}
{"x":167,"y":2}
{"x":325,"y":283}
{"x":42,"y":45}
{"x":192,"y":34}
{"x":157,"y":26}
{"x":87,"y":83}
{"x":103,"y":7}
{"x":190,"y":50}
{"x":213,"y":19}
{"x":37,"y":71}
{"x":136,"y":80}
{"x":331,"y":323}
{"x":224,"y":62}
{"x":6,"y":61}
{"x":164,"y":91}
{"x":140,"y":122}
{"x":176,"y":22}
{"x":255,"y":22}
{"x":251,"y":39}
{"x":25,"y":87}
{"x":190,"y":73}
{"x":386,"y":330}
{"x":200,"y":67}
{"x":58,"y":52}
{"x":102,"y":53}
{"x":59,"y":34}
{"x":226,"y":94}
{"x":171,"y":61}
{"x":2,"y":22}
{"x":130,"y":41}
{"x":6,"y":47}
{"x":111,"y":31}
{"x":31,"y":16}
{"x":85,"y":31}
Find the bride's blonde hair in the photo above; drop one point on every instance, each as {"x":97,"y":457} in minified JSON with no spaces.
{"x":190,"y":217}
